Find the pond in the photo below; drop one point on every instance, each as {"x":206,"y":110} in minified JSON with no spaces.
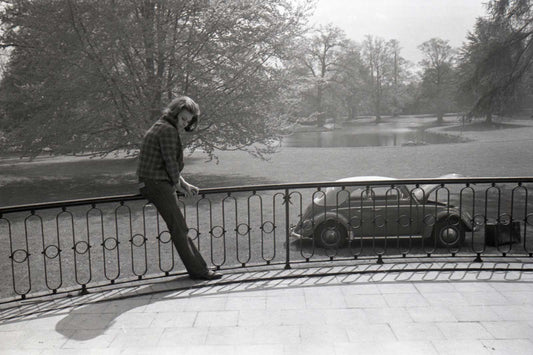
{"x":357,"y":137}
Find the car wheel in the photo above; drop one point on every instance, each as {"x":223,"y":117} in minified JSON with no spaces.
{"x":330,"y":234}
{"x":449,"y":235}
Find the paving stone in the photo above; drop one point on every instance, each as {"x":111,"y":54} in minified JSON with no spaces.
{"x":132,"y":305}
{"x":166,"y":305}
{"x":136,"y":338}
{"x":230,"y":335}
{"x":44,"y":339}
{"x":463,"y":330}
{"x":173,"y":319}
{"x":133,"y":320}
{"x":360,"y":289}
{"x":344,"y":317}
{"x":508,"y":286}
{"x":488,"y":298}
{"x":405,"y":300}
{"x":371,"y":332}
{"x":198,"y":350}
{"x":90,"y":339}
{"x":408,"y":348}
{"x":303,"y":317}
{"x":513,"y":312}
{"x":518,"y":297}
{"x":217,"y":319}
{"x":509,"y":329}
{"x":94,"y":351}
{"x":260,"y":318}
{"x":365,"y":301}
{"x":11,"y":340}
{"x":472,"y":287}
{"x":180,"y":336}
{"x":431,"y":314}
{"x":474,"y":313}
{"x":416,"y":331}
{"x":276,"y":335}
{"x":239,"y":303}
{"x":387,"y":315}
{"x":304,"y":349}
{"x":325,"y":334}
{"x":461,"y":347}
{"x":508,"y":347}
{"x":317,"y":301}
{"x":396,"y":288}
{"x":296,"y":301}
{"x":205,"y":304}
{"x":450,"y":299}
{"x":359,"y":347}
{"x":258,"y":349}
{"x":434,"y":287}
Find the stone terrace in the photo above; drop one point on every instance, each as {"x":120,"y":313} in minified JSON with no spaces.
{"x":322,"y":310}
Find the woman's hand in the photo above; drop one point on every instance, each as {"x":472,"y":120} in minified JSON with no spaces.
{"x":188,"y":190}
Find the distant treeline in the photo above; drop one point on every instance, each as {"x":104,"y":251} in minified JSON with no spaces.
{"x":86,"y":75}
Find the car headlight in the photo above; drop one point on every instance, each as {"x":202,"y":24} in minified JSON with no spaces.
{"x":307,"y":225}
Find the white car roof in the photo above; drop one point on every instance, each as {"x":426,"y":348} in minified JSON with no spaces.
{"x":365,"y":178}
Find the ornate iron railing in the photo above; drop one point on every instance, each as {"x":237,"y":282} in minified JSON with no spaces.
{"x":69,"y":246}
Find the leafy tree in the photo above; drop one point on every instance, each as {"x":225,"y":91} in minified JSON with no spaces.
{"x":93,"y":76}
{"x":497,"y":58}
{"x":438,"y":80}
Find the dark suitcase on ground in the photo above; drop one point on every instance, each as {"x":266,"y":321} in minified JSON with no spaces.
{"x":502,"y":234}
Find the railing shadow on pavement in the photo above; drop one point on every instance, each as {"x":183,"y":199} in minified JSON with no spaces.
{"x":92,"y":314}
{"x":64,"y":248}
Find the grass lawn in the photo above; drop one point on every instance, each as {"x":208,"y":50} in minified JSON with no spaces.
{"x":500,"y":152}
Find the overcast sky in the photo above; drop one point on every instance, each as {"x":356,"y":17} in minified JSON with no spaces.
{"x":409,"y":21}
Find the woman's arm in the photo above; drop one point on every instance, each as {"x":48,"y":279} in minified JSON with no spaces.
{"x":185,"y":188}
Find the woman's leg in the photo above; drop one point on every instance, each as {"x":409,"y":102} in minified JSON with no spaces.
{"x":164,"y":197}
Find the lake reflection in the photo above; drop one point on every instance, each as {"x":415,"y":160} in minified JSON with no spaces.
{"x":351,"y":137}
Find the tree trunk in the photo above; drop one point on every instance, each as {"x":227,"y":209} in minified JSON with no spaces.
{"x":320,"y":118}
{"x":488,"y":118}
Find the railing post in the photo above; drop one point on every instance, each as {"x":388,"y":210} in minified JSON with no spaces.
{"x":287,"y":200}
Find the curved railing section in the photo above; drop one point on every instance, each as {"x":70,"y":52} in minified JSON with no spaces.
{"x":68,"y":246}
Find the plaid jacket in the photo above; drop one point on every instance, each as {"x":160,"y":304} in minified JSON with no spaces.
{"x":161,"y":155}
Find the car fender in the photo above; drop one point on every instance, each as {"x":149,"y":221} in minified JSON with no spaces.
{"x":322,"y":217}
{"x":428,"y":229}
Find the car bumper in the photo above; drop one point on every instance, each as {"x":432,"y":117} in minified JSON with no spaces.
{"x":294,"y":233}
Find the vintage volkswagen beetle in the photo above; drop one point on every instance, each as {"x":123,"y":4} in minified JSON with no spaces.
{"x":339,"y":214}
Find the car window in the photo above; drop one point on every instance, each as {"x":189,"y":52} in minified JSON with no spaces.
{"x":331,"y":196}
{"x":379,"y":193}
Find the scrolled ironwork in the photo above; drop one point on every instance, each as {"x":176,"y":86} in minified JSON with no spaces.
{"x":60,"y":246}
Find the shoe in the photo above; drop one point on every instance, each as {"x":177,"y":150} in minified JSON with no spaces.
{"x":210,"y":275}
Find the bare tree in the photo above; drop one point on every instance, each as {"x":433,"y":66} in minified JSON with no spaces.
{"x":319,"y":59}
{"x":377,"y":55}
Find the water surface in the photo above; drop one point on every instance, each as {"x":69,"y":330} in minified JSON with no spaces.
{"x":368,"y":137}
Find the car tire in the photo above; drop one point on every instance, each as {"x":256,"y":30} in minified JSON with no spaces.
{"x":449,"y":235}
{"x":330,"y":234}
